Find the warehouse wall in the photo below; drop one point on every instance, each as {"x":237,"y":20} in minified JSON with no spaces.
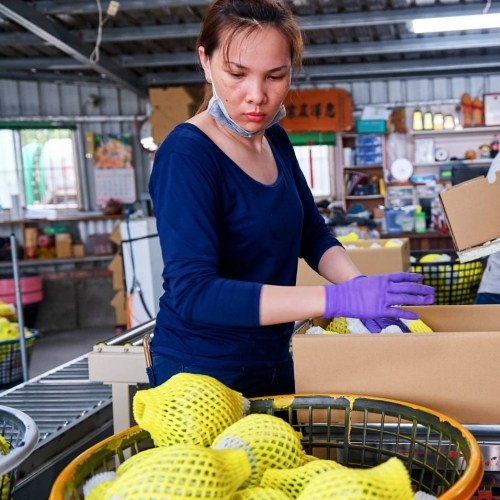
{"x":402,"y":92}
{"x":47,"y":99}
{"x":115,"y":114}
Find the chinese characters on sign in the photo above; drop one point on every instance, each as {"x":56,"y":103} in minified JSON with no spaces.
{"x":318,"y":111}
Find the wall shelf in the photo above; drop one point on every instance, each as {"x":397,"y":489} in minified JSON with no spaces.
{"x":468,"y":130}
{"x":358,"y":167}
{"x":486,"y":161}
{"x":366,"y":197}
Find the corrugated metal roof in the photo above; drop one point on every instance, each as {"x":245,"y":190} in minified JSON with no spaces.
{"x":153,"y":43}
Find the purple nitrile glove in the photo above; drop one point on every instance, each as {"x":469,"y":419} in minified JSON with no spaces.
{"x":377,"y":325}
{"x":375,"y":296}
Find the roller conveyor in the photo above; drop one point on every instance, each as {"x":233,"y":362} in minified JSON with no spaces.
{"x":71,"y":412}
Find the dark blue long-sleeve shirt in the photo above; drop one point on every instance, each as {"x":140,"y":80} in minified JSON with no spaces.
{"x":223,"y":235}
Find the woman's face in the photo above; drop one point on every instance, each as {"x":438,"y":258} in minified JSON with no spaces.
{"x":255,"y":79}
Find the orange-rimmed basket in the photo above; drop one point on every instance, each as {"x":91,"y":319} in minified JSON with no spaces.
{"x":442,"y":457}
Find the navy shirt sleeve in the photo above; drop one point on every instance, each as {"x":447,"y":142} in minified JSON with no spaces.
{"x":187,"y":204}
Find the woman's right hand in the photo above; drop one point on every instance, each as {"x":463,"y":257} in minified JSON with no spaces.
{"x":376,"y":296}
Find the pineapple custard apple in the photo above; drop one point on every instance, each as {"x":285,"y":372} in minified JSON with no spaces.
{"x":206,"y":448}
{"x":188,"y":408}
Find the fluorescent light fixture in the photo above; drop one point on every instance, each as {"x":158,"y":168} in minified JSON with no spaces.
{"x":456,"y":23}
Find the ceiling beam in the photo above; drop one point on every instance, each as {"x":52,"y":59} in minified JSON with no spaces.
{"x":309,"y":23}
{"x":54,"y":7}
{"x":361,"y":49}
{"x":384,"y":69}
{"x":90,"y":6}
{"x":27,"y":17}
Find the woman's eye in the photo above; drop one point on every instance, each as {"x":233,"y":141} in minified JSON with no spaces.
{"x":236,"y":75}
{"x":274,"y":77}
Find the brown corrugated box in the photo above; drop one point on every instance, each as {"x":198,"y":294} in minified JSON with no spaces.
{"x":369,"y":261}
{"x":451,"y":371}
{"x":116,"y":267}
{"x":119,"y":303}
{"x":63,"y":245}
{"x":472,"y":209}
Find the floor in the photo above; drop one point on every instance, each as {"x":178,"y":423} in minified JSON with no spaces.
{"x":55,"y":348}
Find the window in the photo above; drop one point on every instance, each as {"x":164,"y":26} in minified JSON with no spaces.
{"x":315,"y":164}
{"x":40,"y":166}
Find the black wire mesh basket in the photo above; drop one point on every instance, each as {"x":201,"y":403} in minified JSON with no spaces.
{"x":455,"y":283}
{"x":11,"y":369}
{"x":19,"y":437}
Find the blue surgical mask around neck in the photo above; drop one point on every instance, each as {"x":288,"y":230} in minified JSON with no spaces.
{"x":217,"y":111}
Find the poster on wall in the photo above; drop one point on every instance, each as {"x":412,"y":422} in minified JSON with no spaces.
{"x":113,"y":168}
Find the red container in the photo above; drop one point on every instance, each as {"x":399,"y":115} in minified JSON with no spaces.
{"x":31,"y":289}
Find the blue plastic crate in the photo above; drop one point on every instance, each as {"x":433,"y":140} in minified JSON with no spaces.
{"x":368,"y":150}
{"x":368,"y":140}
{"x":369,"y":160}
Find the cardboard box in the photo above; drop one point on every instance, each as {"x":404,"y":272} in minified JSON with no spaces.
{"x":116,"y":267}
{"x":451,"y":371}
{"x":369,"y":261}
{"x":116,"y":235}
{"x":119,"y":302}
{"x":63,"y":245}
{"x":472,"y":210}
{"x":78,"y":250}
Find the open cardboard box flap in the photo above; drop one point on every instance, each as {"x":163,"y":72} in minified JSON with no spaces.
{"x":452,"y":371}
{"x":472,"y":209}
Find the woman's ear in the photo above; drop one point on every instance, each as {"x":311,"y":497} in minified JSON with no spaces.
{"x":205,"y":63}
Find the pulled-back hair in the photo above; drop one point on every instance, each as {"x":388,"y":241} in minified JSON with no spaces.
{"x":230,"y":17}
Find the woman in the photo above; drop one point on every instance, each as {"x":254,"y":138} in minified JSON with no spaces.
{"x":234,"y":214}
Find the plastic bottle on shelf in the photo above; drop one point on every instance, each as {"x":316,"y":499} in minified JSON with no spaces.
{"x":420,"y":226}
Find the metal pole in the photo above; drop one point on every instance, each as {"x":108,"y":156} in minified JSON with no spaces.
{"x":19,"y":303}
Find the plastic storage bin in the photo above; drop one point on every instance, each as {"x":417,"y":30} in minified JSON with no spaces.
{"x":11,"y":369}
{"x":455,"y":283}
{"x":21,"y":434}
{"x":442,"y":456}
{"x":368,"y":140}
{"x":369,"y":159}
{"x":371,"y":126}
{"x":399,"y":220}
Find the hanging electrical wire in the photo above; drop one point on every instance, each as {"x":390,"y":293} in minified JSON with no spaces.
{"x":111,"y":12}
{"x":487,"y":7}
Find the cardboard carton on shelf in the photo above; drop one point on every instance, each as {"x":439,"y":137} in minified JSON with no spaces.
{"x":116,"y":267}
{"x":119,"y":303}
{"x":63,"y":245}
{"x":472,"y":210}
{"x":369,"y":261}
{"x":451,"y":371}
{"x":78,"y":250}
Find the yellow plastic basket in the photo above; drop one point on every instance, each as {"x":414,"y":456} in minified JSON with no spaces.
{"x":442,"y":457}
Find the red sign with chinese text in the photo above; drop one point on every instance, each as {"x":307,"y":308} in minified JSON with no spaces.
{"x":318,"y":111}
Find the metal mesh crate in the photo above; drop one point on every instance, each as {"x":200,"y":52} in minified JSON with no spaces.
{"x":442,"y":457}
{"x":455,"y":283}
{"x":21,"y":434}
{"x":11,"y":370}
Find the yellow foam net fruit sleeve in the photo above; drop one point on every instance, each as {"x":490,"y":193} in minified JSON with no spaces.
{"x":180,"y":472}
{"x":188,"y":408}
{"x":269,"y":441}
{"x":96,"y":487}
{"x":259,"y":493}
{"x":389,"y":480}
{"x":293,"y":481}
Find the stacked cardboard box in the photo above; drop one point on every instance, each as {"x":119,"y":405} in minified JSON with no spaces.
{"x":116,"y":267}
{"x":368,"y":260}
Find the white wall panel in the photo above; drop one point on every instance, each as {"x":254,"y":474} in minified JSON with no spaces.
{"x":71,"y":102}
{"x":29,"y":97}
{"x":396,"y":91}
{"x":50,"y":99}
{"x":459,"y":85}
{"x":379,"y":92}
{"x":9,"y":98}
{"x":361,"y":93}
{"x":494,"y":83}
{"x":441,"y":88}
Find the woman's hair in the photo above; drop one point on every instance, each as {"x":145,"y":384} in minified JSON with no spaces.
{"x":229,"y":17}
